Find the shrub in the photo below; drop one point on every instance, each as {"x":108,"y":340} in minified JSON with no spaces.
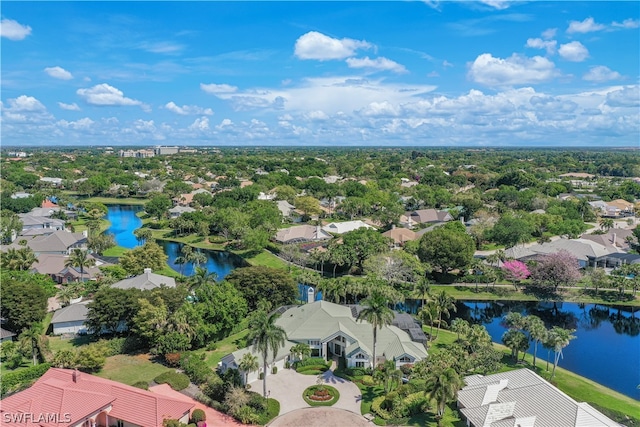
{"x":214,"y":388}
{"x":306,"y":369}
{"x":91,"y":358}
{"x":198,"y":415}
{"x":368,"y":380}
{"x":176,"y":380}
{"x":315,"y":361}
{"x":247,"y":415}
{"x":172,"y":359}
{"x":406,"y":369}
{"x":257,"y":401}
{"x":12,"y":381}
{"x":377,"y":409}
{"x":212,"y":346}
{"x":272,"y":411}
{"x":195,"y":368}
{"x":274,"y":370}
{"x":141,"y":384}
{"x":415,"y":403}
{"x":287,"y":364}
{"x":173,"y":342}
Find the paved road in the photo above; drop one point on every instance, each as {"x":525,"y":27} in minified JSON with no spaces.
{"x":287,"y":386}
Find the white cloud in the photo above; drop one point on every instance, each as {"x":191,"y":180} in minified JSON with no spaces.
{"x":144,"y":125}
{"x":81,"y":124}
{"x":214,"y":89}
{"x":627,"y":24}
{"x":601,"y":73}
{"x":224,"y":123}
{"x":573,"y":51}
{"x":161,"y":47}
{"x":316,"y":115}
{"x":497,"y":4}
{"x":515,"y":70}
{"x":70,"y":107}
{"x":379,"y":63}
{"x":58,"y":73}
{"x":200,"y":124}
{"x":186,"y":110}
{"x":587,"y":26}
{"x":549,"y":33}
{"x":380,"y":109}
{"x":25,"y":103}
{"x":628,"y":96}
{"x":13,"y":30}
{"x":549,"y":45}
{"x":104,"y":94}
{"x":315,"y":45}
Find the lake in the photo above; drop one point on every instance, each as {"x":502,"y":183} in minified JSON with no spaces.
{"x":124,"y":221}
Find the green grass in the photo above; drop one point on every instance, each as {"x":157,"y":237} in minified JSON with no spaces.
{"x":132,"y":369}
{"x":273,"y":409}
{"x":226,"y":346}
{"x":80,"y":225}
{"x":116,"y":201}
{"x":311,"y":390}
{"x":57,"y":343}
{"x":116,"y":251}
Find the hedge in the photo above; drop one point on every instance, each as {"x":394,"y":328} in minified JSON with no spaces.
{"x":176,"y":380}
{"x":273,"y":410}
{"x":304,"y":369}
{"x":376,"y":408}
{"x":310,"y":361}
{"x":12,"y":381}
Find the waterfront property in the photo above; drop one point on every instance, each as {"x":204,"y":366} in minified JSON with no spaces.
{"x":83,"y":400}
{"x":146,"y":281}
{"x":523,"y":398}
{"x":332,"y":330}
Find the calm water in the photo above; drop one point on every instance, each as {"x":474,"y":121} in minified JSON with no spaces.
{"x":124,"y":221}
{"x":607,"y":347}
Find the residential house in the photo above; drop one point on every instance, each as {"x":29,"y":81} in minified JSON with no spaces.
{"x":302,"y":233}
{"x":78,"y":399}
{"x":345,"y":227}
{"x":332,"y":330}
{"x":56,"y":182}
{"x":422,"y":216}
{"x":178,"y":210}
{"x":70,"y":319}
{"x":523,"y":398}
{"x":288,"y":211}
{"x":35,"y":222}
{"x":146,"y":281}
{"x":264,"y":196}
{"x":54,"y":266}
{"x":20,"y":195}
{"x":588,"y":252}
{"x":400,"y":235}
{"x":6,"y":335}
{"x":58,"y":242}
{"x":618,"y":208}
{"x":616,"y":237}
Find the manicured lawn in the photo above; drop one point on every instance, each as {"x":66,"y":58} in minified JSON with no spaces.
{"x":57,"y":343}
{"x":266,"y":259}
{"x":226,"y":346}
{"x":131,"y":369}
{"x":116,"y":251}
{"x":116,"y":201}
{"x":79,"y":225}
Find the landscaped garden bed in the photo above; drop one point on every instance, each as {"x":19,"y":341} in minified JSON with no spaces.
{"x":321,"y":395}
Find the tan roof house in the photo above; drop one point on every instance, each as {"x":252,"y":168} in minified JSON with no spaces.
{"x":146,"y":281}
{"x":429,"y":215}
{"x":400,"y":235}
{"x":302,"y":233}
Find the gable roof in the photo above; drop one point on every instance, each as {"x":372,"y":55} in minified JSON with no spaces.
{"x":400,"y":235}
{"x":59,"y":241}
{"x":65,"y":391}
{"x":345,"y":227}
{"x":71,"y":313}
{"x":145,"y":281}
{"x":521,"y":397}
{"x":430,"y":215}
{"x":301,"y":233}
{"x":6,"y":334}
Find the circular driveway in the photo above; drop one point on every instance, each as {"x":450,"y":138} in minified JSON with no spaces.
{"x":320,"y":417}
{"x":287,"y":387}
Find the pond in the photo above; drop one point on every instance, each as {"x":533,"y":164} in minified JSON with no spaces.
{"x":124,"y":221}
{"x":607,"y":347}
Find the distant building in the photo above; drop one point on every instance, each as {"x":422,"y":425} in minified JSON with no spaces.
{"x":301,"y":234}
{"x":345,"y":227}
{"x":164,"y":151}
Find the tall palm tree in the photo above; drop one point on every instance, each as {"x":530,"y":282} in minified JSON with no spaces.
{"x":248,"y":363}
{"x":34,"y":339}
{"x":266,"y":335}
{"x":69,"y":292}
{"x":444,"y":303}
{"x":559,"y":339}
{"x":18,"y":259}
{"x":428,"y":314}
{"x":442,"y":386}
{"x":197,"y":258}
{"x":301,"y":350}
{"x":376,"y":312}
{"x":537,"y":333}
{"x":201,"y":276}
{"x":606,"y":224}
{"x":181,"y":261}
{"x":80,"y":258}
{"x":423,"y":286}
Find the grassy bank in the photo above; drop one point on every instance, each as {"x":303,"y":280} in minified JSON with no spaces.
{"x":116,"y":201}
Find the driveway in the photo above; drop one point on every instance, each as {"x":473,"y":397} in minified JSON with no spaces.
{"x":287,"y":386}
{"x":320,"y":417}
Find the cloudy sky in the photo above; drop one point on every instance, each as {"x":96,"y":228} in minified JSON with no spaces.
{"x":405,"y":73}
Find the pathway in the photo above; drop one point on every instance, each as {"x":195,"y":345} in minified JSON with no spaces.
{"x":320,"y":417}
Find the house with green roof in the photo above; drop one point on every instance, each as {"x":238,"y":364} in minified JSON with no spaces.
{"x":332,"y":330}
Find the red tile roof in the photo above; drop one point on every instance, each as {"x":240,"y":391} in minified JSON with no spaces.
{"x":48,"y":204}
{"x":56,"y":393}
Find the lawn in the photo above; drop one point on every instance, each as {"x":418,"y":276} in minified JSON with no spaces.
{"x":58,"y":343}
{"x":226,"y":346}
{"x":116,"y":201}
{"x":132,"y":369}
{"x":116,"y":251}
{"x":79,"y":225}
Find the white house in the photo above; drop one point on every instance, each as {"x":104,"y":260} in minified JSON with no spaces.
{"x":345,"y":227}
{"x":70,"y":319}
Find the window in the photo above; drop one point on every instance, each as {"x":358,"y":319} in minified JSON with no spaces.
{"x":360,"y":356}
{"x":359,"y":364}
{"x":314,"y":342}
{"x":120,"y":423}
{"x":405,"y":360}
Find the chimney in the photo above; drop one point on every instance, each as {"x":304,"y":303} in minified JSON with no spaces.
{"x":393,"y":226}
{"x":613,"y":239}
{"x":147,"y":270}
{"x":318,"y":231}
{"x":76,"y":375}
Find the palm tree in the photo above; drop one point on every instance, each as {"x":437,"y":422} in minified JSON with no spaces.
{"x":80,"y":258}
{"x":442,"y":386}
{"x":444,"y":303}
{"x":537,"y":333}
{"x":515,"y":340}
{"x":265,"y":335}
{"x":197,"y":258}
{"x":559,"y":338}
{"x":460,"y":326}
{"x":428,"y":314}
{"x":514,"y":320}
{"x":248,"y":363}
{"x":181,"y":261}
{"x":18,"y":259}
{"x":606,"y":224}
{"x":69,"y":292}
{"x":301,"y":350}
{"x":35,"y":339}
{"x":423,"y":286}
{"x":376,"y":312}
{"x":201,"y":277}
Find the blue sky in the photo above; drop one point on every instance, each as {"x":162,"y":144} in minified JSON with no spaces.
{"x":402,"y":73}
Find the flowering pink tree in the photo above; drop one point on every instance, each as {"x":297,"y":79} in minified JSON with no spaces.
{"x":515,"y":271}
{"x":557,"y":269}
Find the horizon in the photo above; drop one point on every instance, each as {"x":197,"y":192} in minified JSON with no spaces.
{"x":417,"y":74}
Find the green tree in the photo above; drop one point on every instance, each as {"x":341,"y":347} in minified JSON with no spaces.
{"x":150,"y":255}
{"x":219,"y":308}
{"x":537,"y":333}
{"x":259,"y":282}
{"x":310,"y":206}
{"x":301,"y":350}
{"x":143,"y":234}
{"x":18,"y":259}
{"x":378,"y":314}
{"x":81,"y":259}
{"x":34,"y":340}
{"x":443,"y":303}
{"x":446,"y":248}
{"x":510,"y":231}
{"x":442,"y":385}
{"x":515,"y":340}
{"x":150,"y":321}
{"x":90,"y":358}
{"x":99,"y":243}
{"x":606,"y":224}
{"x":158,"y":206}
{"x":364,"y":243}
{"x":248,"y":364}
{"x":265,"y":335}
{"x":112,"y":310}
{"x":558,"y":338}
{"x":10,"y":226}
{"x":460,"y":327}
{"x":23,"y":303}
